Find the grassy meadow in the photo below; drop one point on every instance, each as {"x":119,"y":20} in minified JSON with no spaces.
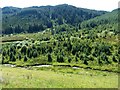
{"x":57,"y":77}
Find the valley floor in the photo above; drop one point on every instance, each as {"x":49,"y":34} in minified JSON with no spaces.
{"x":23,"y":78}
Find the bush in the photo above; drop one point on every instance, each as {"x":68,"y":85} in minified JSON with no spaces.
{"x":69,"y":59}
{"x":19,"y":57}
{"x":85,"y":62}
{"x":35,"y":54}
{"x":24,"y":50}
{"x":49,"y":58}
{"x":25,"y":58}
{"x":60,"y":59}
{"x":114,"y":59}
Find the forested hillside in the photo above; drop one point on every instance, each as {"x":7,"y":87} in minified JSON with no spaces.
{"x":35,"y":19}
{"x":106,"y":21}
{"x":92,"y":44}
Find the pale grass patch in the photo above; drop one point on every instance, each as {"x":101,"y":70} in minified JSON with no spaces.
{"x":22,"y":78}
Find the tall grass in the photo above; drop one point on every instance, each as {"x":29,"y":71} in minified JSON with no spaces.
{"x":57,"y":77}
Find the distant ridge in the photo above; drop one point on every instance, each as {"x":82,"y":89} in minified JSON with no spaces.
{"x":46,"y":16}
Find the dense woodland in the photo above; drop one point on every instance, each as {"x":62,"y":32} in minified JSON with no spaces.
{"x":67,"y":34}
{"x":34,"y":19}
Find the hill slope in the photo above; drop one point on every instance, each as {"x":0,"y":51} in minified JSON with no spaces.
{"x":94,"y":47}
{"x":106,"y":21}
{"x":45,"y":16}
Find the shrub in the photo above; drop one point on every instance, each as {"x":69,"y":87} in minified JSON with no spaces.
{"x":49,"y":58}
{"x":60,"y":59}
{"x":12,"y":57}
{"x":69,"y":59}
{"x":85,"y":62}
{"x":35,"y":54}
{"x":25,"y":58}
{"x":114,"y":59}
{"x":24,"y":50}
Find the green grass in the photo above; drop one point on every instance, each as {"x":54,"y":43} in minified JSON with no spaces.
{"x":57,"y":77}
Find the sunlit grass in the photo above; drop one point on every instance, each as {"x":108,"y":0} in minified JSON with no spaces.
{"x":22,"y":78}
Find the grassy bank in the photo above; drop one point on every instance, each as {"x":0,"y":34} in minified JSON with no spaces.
{"x":57,"y":77}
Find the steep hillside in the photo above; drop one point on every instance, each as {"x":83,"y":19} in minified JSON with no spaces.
{"x":107,"y":21}
{"x":44,"y":17}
